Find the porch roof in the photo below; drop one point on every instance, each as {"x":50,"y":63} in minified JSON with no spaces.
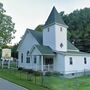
{"x":45,"y":50}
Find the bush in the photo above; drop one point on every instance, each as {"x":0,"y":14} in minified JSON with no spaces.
{"x":37,"y":73}
{"x":56,"y":73}
{"x":20,"y":68}
{"x":48,"y":73}
{"x":30,"y":71}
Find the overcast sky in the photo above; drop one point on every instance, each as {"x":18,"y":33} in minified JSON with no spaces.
{"x":30,"y":13}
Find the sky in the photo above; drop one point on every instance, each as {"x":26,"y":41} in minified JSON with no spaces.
{"x":30,"y":13}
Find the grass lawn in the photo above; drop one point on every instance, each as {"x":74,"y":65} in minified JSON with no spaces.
{"x":52,"y":82}
{"x":19,"y":78}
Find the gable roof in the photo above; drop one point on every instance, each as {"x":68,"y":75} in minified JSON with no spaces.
{"x":45,"y":50}
{"x":54,"y":17}
{"x":39,"y":38}
{"x":38,"y":35}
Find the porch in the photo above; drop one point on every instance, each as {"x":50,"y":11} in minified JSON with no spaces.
{"x":47,"y":63}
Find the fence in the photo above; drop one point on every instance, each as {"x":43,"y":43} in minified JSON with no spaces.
{"x":52,"y":81}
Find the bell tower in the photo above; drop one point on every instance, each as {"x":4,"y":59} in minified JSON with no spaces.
{"x":55,"y":32}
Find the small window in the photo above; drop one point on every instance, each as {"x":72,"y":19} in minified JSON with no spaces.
{"x":60,"y":28}
{"x":35,"y":59}
{"x":61,"y":45}
{"x":71,"y":62}
{"x":85,"y":61}
{"x":27,"y":57}
{"x":21,"y":57}
{"x":27,"y":53}
{"x":28,"y":60}
{"x":48,"y":29}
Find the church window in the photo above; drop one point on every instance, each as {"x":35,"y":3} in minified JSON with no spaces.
{"x":27,"y":57}
{"x":61,"y":45}
{"x":21,"y":57}
{"x":60,"y":28}
{"x":71,"y":61}
{"x":35,"y":59}
{"x":85,"y":61}
{"x":48,"y":29}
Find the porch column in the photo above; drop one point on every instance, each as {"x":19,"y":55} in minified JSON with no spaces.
{"x":2,"y":63}
{"x":42,"y":63}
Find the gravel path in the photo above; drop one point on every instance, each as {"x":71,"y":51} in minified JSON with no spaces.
{"x":6,"y":85}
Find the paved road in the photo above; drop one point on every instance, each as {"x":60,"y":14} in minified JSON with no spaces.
{"x":6,"y":85}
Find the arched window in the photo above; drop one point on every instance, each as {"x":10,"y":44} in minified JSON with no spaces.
{"x":27,"y":53}
{"x":27,"y":57}
{"x":21,"y":57}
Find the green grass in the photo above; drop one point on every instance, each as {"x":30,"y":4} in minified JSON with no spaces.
{"x":52,"y":82}
{"x":20,"y":79}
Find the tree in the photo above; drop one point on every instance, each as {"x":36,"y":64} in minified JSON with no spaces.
{"x":14,"y":51}
{"x":7,"y":30}
{"x":39,"y":28}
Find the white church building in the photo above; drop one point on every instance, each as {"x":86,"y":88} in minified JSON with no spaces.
{"x":50,"y":51}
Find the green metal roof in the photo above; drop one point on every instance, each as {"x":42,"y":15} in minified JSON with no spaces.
{"x":54,"y":17}
{"x":38,"y":35}
{"x":70,"y":46}
{"x":45,"y":50}
{"x":73,"y":53}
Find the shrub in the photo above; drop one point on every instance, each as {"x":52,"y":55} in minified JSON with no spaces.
{"x":37,"y":73}
{"x":20,"y":68}
{"x":30,"y":71}
{"x":56,"y":73}
{"x":48,"y":73}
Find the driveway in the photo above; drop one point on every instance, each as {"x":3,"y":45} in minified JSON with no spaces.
{"x":6,"y":85}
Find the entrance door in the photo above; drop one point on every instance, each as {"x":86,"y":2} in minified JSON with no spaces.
{"x":48,"y":61}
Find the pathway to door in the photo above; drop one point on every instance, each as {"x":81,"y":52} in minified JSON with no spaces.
{"x":6,"y":85}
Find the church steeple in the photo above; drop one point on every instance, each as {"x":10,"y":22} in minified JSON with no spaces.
{"x":55,"y":32}
{"x":54,"y":17}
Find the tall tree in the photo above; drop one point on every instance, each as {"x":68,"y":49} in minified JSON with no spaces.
{"x":79,"y":28}
{"x":7,"y":30}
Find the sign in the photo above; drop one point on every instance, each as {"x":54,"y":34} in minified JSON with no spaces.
{"x":6,"y":53}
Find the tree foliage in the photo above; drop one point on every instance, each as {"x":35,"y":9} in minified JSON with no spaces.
{"x":39,"y":28}
{"x":14,"y":51}
{"x":6,"y":26}
{"x":79,"y":28}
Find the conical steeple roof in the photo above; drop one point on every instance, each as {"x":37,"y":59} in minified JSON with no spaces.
{"x":54,"y":17}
